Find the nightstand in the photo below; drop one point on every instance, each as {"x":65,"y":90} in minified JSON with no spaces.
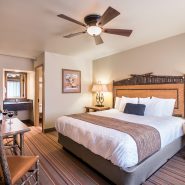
{"x":94,"y":108}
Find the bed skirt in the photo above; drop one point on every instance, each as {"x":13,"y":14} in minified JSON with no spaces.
{"x":130,"y":176}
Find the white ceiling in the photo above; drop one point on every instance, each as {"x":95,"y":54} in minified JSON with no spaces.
{"x":28,"y":27}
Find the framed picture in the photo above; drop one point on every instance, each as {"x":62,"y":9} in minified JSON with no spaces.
{"x":71,"y":81}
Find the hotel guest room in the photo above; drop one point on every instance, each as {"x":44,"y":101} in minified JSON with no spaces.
{"x":92,"y":92}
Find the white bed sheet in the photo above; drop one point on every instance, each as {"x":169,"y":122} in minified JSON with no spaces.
{"x":113,"y":145}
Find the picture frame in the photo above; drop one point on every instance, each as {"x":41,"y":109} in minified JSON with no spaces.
{"x":71,"y":81}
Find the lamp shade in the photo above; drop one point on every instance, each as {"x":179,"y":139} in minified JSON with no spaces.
{"x":99,"y":88}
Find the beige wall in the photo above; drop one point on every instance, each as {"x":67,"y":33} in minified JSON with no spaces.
{"x":12,"y":63}
{"x":165,"y":57}
{"x":31,"y":91}
{"x":39,"y":60}
{"x":57,"y":103}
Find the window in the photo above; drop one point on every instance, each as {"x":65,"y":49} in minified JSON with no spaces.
{"x":15,"y":84}
{"x":13,"y":89}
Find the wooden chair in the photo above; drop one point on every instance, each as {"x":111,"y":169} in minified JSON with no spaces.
{"x":15,"y":169}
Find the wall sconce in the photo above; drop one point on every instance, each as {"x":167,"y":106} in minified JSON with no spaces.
{"x":99,"y":89}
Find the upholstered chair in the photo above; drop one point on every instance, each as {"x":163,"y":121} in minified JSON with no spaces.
{"x":17,"y":169}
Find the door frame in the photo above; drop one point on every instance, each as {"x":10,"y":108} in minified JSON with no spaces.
{"x":36,"y":117}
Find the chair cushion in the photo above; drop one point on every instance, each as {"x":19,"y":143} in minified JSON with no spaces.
{"x":19,"y":166}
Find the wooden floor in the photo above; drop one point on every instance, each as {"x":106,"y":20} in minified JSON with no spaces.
{"x":61,"y":168}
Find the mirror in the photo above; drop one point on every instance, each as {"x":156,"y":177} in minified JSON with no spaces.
{"x":15,"y":83}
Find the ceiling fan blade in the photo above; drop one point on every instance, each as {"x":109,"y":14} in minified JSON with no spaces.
{"x":98,"y":40}
{"x":74,"y":34}
{"x":71,"y":19}
{"x":108,"y":15}
{"x":121,"y":32}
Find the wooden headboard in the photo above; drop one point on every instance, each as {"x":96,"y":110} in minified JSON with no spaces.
{"x":149,"y":85}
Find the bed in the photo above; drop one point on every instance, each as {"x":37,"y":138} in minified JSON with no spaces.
{"x":113,"y":166}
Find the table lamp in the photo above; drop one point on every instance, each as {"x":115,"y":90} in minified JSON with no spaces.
{"x":99,"y":89}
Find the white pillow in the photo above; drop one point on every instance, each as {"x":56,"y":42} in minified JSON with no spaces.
{"x":117,"y":103}
{"x":125,"y":100}
{"x":154,"y":107}
{"x":168,"y":106}
{"x":144,"y":101}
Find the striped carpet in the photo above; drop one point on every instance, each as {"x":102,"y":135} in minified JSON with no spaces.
{"x":58,"y":167}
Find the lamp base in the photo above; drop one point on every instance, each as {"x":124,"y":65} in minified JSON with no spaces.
{"x":99,"y":105}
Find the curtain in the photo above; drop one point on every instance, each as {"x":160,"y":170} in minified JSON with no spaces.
{"x":13,"y":89}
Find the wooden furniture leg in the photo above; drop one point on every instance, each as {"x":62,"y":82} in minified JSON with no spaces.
{"x":21,"y":143}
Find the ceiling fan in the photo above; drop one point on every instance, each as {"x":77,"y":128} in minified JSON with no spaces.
{"x":94,"y":25}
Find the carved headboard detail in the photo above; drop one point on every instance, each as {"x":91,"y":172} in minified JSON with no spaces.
{"x":149,"y":85}
{"x":149,"y":78}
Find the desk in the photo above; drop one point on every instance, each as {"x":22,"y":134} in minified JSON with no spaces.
{"x":14,"y":129}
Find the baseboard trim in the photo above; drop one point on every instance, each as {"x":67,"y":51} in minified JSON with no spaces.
{"x":46,"y":130}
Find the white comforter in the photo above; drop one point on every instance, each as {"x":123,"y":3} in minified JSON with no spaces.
{"x":118,"y":147}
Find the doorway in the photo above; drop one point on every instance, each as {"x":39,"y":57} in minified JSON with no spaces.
{"x":39,"y":97}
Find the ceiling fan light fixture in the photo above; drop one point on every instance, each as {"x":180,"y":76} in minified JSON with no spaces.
{"x":94,"y":30}
{"x":94,"y":25}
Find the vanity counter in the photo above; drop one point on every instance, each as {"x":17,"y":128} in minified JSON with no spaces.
{"x":18,"y":105}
